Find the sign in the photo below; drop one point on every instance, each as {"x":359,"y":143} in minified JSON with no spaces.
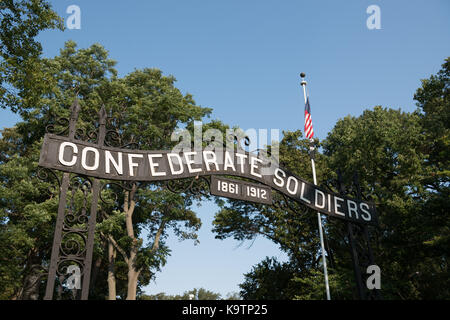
{"x":241,"y":190}
{"x":104,"y":162}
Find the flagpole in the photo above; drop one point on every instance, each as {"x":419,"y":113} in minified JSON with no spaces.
{"x":313,"y":166}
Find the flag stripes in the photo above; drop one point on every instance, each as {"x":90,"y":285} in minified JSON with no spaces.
{"x":309,"y":131}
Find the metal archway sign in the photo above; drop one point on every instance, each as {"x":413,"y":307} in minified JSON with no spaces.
{"x":83,"y":163}
{"x":103,"y":162}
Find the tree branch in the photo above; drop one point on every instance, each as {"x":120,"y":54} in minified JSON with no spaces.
{"x":158,"y":236}
{"x":116,"y":245}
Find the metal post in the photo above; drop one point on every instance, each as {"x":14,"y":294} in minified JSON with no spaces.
{"x":355,"y":260}
{"x":83,"y":257}
{"x":93,"y":213}
{"x":75,"y":110}
{"x":319,"y":219}
{"x":352,"y":244}
{"x":375,"y":293}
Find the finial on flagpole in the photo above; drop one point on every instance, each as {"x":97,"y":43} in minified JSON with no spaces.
{"x":303,"y":75}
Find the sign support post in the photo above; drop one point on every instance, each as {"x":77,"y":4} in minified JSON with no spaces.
{"x":73,"y":245}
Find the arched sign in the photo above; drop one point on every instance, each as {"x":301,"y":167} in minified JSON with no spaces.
{"x":105,"y":162}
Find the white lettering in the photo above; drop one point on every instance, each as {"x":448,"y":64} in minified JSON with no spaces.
{"x":84,"y":159}
{"x":374,"y":280}
{"x":302,"y":193}
{"x":61,"y":154}
{"x":316,"y":203}
{"x":109,"y":159}
{"x":153,"y":165}
{"x":241,"y":161}
{"x":277,"y":180}
{"x":228,"y":162}
{"x":131,"y":164}
{"x":180,"y":163}
{"x":366,"y":211}
{"x":190,"y":162}
{"x":337,"y":206}
{"x":292,"y":191}
{"x":352,"y":207}
{"x":213,"y":159}
{"x":253,"y":166}
{"x":373,"y":21}
{"x":74,"y":20}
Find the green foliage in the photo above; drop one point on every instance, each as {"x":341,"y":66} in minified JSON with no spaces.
{"x":194,"y":294}
{"x":147,"y":108}
{"x":402,"y":159}
{"x":27,"y":205}
{"x":293,"y":227}
{"x":433,"y":100}
{"x":269,"y":280}
{"x":403,"y":165}
{"x":21,"y":21}
{"x":25,"y":213}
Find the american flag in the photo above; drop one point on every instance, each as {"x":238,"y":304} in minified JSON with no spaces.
{"x":309,"y":131}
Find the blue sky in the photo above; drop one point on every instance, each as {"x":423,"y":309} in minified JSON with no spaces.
{"x":243,"y":59}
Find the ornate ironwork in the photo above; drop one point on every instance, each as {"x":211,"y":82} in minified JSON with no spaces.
{"x":114,"y":138}
{"x":357,"y":237}
{"x":49,"y":175}
{"x":76,"y":219}
{"x":60,"y":122}
{"x":86,"y":135}
{"x":198,"y":186}
{"x":108,"y":186}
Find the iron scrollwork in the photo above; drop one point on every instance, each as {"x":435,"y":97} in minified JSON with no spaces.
{"x":49,"y":176}
{"x":61,"y":123}
{"x":77,"y":211}
{"x":74,"y":236}
{"x":356,"y":235}
{"x":198,"y":186}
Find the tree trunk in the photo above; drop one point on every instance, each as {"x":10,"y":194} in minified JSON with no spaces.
{"x":133,"y":276}
{"x":31,"y":287}
{"x":133,"y":273}
{"x":111,"y":269}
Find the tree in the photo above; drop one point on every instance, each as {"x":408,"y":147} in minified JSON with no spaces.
{"x":25,"y":214}
{"x":402,"y":159}
{"x":146,"y":108}
{"x":402,"y":162}
{"x":194,"y":294}
{"x":27,"y":209}
{"x":21,"y":21}
{"x":269,"y":280}
{"x":233,"y":296}
{"x":290,"y":225}
{"x":433,"y":100}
